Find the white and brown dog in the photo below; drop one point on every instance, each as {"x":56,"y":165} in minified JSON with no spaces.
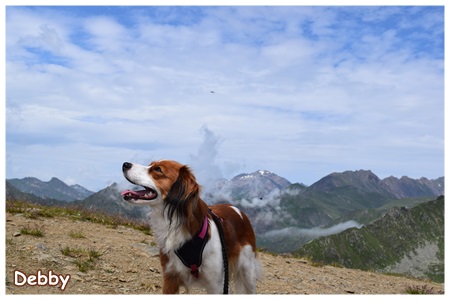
{"x":189,"y":240}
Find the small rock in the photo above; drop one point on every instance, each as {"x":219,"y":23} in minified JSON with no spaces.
{"x":16,"y":234}
{"x":41,"y":246}
{"x":76,"y":277}
{"x":43,"y":257}
{"x":303,"y":261}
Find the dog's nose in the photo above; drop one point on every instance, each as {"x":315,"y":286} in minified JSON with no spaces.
{"x":126,"y":166}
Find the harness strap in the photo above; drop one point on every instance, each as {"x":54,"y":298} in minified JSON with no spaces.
{"x":202,"y":234}
{"x":191,"y":252}
{"x":204,"y":229}
{"x":194,"y":271}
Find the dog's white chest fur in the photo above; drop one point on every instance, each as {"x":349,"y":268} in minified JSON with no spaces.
{"x":169,"y":237}
{"x":170,"y":240}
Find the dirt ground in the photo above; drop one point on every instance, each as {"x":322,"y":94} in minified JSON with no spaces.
{"x":104,"y":260}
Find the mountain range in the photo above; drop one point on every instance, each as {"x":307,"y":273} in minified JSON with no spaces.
{"x":53,"y":189}
{"x":367,"y":181}
{"x":352,"y":218}
{"x":274,"y":203}
{"x":277,"y":208}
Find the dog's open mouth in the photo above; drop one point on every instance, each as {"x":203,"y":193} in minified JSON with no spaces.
{"x":146,"y":194}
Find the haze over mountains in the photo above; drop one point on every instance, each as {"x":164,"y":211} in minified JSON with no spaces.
{"x":272,"y":202}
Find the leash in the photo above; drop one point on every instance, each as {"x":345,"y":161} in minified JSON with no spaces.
{"x":218,"y":222}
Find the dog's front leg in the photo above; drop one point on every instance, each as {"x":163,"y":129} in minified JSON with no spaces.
{"x":171,"y":284}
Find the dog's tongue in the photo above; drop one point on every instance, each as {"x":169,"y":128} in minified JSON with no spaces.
{"x":140,"y":193}
{"x":146,"y":194}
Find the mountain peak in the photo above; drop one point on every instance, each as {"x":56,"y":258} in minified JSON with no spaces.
{"x":360,"y":179}
{"x":257,"y":184}
{"x":53,"y":189}
{"x":264,"y":172}
{"x":256,"y":174}
{"x":253,"y":175}
{"x":362,"y":174}
{"x":56,"y":180}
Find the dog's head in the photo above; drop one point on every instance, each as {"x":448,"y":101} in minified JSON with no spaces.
{"x":167,"y":183}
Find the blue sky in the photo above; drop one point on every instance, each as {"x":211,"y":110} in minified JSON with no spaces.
{"x":301,"y":91}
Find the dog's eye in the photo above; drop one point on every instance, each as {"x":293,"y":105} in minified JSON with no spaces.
{"x":158,"y":169}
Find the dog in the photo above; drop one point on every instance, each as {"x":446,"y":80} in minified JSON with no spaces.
{"x":189,"y":239}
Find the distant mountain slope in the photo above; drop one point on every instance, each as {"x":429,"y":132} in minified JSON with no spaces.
{"x":338,"y":197}
{"x":313,"y":207}
{"x":407,"y":241}
{"x":406,"y":187}
{"x":53,"y":189}
{"x":280,"y":211}
{"x":365,"y":180}
{"x":257,"y":184}
{"x":109,"y":200}
{"x":361,"y":180}
{"x":246,"y":186}
{"x":12,"y":193}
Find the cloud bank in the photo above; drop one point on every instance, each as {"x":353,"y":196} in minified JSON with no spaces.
{"x":300,"y":91}
{"x":313,"y":233}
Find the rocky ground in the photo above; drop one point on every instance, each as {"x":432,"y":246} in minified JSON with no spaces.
{"x":122,"y":260}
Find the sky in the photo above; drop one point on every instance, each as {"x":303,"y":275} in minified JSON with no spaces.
{"x":301,"y":91}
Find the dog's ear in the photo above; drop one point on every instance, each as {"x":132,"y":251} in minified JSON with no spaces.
{"x":183,"y":196}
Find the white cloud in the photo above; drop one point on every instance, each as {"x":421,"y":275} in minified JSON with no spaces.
{"x":301,"y":92}
{"x":314,"y":233}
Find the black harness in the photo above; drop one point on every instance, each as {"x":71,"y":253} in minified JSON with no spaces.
{"x":191,"y":252}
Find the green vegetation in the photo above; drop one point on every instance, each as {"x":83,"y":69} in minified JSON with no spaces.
{"x":77,"y":235}
{"x":34,"y":231}
{"x":312,"y":206}
{"x":34,"y":211}
{"x":85,"y":259}
{"x":420,"y":290}
{"x":400,"y":234}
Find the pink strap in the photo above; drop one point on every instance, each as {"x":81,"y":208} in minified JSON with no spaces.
{"x":204,"y":228}
{"x":194,"y":271}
